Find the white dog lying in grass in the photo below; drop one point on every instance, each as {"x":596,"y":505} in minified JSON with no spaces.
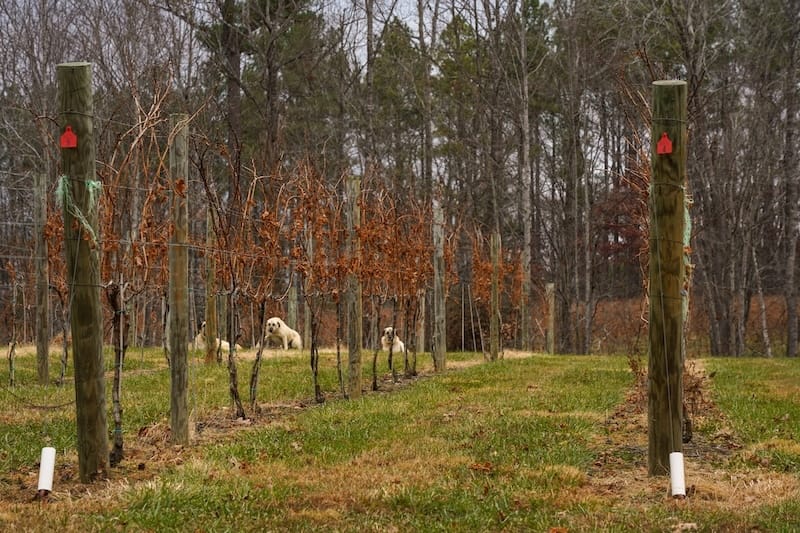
{"x":200,"y":341}
{"x":390,"y":339}
{"x":278,"y":331}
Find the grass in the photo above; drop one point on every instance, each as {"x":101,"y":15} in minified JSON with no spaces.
{"x":761,"y":401}
{"x":523,"y":444}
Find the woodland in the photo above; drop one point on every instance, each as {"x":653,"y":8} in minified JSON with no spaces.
{"x":525,"y":122}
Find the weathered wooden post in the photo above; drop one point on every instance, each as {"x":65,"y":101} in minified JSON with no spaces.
{"x":550,"y":297}
{"x":79,"y":192}
{"x":494,"y":319}
{"x":667,"y":205}
{"x":42,"y":289}
{"x":439,"y":347}
{"x":179,"y":280}
{"x":353,"y":305}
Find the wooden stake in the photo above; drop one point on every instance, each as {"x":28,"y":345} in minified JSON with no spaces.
{"x":80,"y":194}
{"x":667,"y":197}
{"x":550,"y":296}
{"x":494,"y":320}
{"x":42,"y":292}
{"x":439,"y":347}
{"x":353,"y":305}
{"x":179,"y":281}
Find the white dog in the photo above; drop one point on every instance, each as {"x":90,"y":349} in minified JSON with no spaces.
{"x":200,"y":340}
{"x":277,"y":330}
{"x":390,"y":338}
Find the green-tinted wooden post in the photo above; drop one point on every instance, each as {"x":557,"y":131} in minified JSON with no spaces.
{"x":353,"y":305}
{"x":179,"y":281}
{"x":80,"y":192}
{"x":667,"y":196}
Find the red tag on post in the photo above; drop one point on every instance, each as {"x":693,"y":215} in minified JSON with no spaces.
{"x":664,"y":145}
{"x":69,"y":139}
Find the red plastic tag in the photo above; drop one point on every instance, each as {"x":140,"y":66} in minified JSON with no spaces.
{"x":664,"y":145}
{"x":69,"y":139}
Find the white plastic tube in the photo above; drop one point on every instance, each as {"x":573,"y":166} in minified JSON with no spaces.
{"x":676,"y":476}
{"x":46,"y":467}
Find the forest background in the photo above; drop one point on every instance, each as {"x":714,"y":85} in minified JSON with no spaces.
{"x":527,"y":120}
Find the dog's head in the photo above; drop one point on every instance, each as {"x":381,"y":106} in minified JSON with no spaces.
{"x":273,"y":325}
{"x":389,"y":333}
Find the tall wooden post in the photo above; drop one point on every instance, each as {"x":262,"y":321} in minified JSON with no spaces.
{"x":179,"y":281}
{"x":353,"y":305}
{"x":667,"y":194}
{"x":211,"y":297}
{"x":80,"y":195}
{"x":439,"y":347}
{"x":550,"y":296}
{"x":494,"y":319}
{"x":42,"y":294}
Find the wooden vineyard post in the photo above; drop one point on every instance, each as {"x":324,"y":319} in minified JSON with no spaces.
{"x":494,"y":320}
{"x":353,"y":299}
{"x":667,"y":205}
{"x":550,"y":297}
{"x":79,"y":192}
{"x":42,"y":294}
{"x":179,"y":281}
{"x":439,"y":347}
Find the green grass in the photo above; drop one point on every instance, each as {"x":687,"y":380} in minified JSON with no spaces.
{"x":760,"y":398}
{"x":505,"y":446}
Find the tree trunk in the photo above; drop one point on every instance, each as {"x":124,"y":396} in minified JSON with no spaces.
{"x":262,"y":321}
{"x":550,"y":296}
{"x":762,"y":307}
{"x":120,"y":333}
{"x":211,"y":297}
{"x":420,"y":322}
{"x":355,"y":335}
{"x":792,"y":223}
{"x":233,"y":375}
{"x":588,"y":289}
{"x":526,"y":182}
{"x":439,"y":309}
